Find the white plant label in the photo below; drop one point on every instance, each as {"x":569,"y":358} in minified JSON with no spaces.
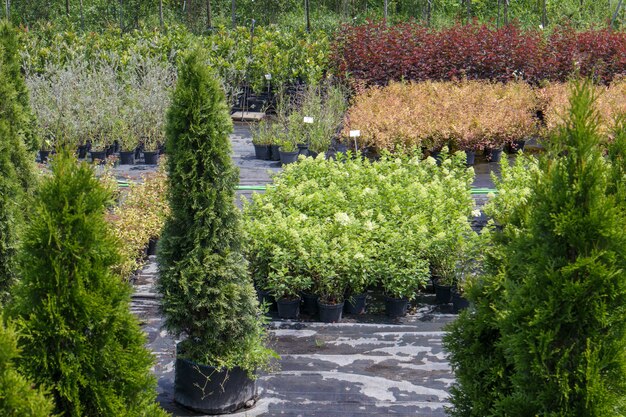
{"x":268,"y":76}
{"x":308,"y":120}
{"x":355,"y":133}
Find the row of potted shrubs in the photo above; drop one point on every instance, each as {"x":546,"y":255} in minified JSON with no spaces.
{"x":468,"y":115}
{"x":334,"y":228}
{"x":375,"y":53}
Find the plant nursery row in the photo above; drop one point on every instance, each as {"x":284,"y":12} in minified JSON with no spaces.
{"x":335,"y":228}
{"x":469,"y":115}
{"x":375,"y":54}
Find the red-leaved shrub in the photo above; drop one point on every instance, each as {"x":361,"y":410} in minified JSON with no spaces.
{"x":375,"y":54}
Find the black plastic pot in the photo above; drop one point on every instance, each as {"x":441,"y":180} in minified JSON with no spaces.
{"x":493,"y":155}
{"x":262,"y":152}
{"x":341,"y":148}
{"x":267,"y":298}
{"x":303,"y":149}
{"x":43,"y":156}
{"x":355,"y":304}
{"x":443,"y":293}
{"x":470,"y":157}
{"x":100,"y":155}
{"x":459,"y":302}
{"x":330,"y":313}
{"x":517,"y":145}
{"x":127,"y":158}
{"x":288,"y":157}
{"x":211,"y":391}
{"x":274,"y":152}
{"x":152,"y":246}
{"x":288,"y":309}
{"x":309,"y":304}
{"x":151,"y":158}
{"x":82,"y":151}
{"x":396,"y":307}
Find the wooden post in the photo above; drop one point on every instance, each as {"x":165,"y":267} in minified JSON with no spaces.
{"x":468,"y":4}
{"x":544,"y":14}
{"x":67,"y":8}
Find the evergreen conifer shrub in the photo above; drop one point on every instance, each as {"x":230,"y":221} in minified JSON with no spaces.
{"x":16,"y":172}
{"x":79,"y":337}
{"x":17,"y":396}
{"x":565,"y":328}
{"x":208,"y":295}
{"x":547,"y":331}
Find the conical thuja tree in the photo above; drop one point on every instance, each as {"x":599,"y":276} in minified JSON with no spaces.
{"x":18,"y":398}
{"x":208,"y":297}
{"x":79,"y":338}
{"x":547,"y":333}
{"x":16,"y":172}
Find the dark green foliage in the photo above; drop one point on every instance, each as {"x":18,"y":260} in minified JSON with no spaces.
{"x":547,"y":335}
{"x":207,"y":295}
{"x":16,"y":173}
{"x":17,"y":396}
{"x":79,"y":337}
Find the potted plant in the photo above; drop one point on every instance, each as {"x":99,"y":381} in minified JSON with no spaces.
{"x":288,"y":152}
{"x":128,"y":141}
{"x":207,"y":292}
{"x":262,"y":139}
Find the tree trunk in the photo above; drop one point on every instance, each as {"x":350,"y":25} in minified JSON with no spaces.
{"x":308,"y":17}
{"x":498,"y":18}
{"x":82,"y":16}
{"x":386,"y":8}
{"x":121,"y":16}
{"x":544,"y":14}
{"x":67,"y":8}
{"x":506,"y":12}
{"x":209,"y":24}
{"x":232,"y":14}
{"x":161,"y":13}
{"x":619,"y":6}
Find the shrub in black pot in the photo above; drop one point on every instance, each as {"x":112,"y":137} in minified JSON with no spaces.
{"x":83,"y":342}
{"x":208,"y":295}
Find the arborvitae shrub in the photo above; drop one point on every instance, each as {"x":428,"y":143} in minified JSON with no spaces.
{"x":565,"y":331}
{"x":207,"y":294}
{"x":79,"y":337}
{"x":547,"y":331}
{"x":17,"y":396}
{"x":16,"y":176}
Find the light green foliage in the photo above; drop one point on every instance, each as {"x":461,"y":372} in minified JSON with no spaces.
{"x":326,"y":103}
{"x":16,"y":171}
{"x":351,"y":223}
{"x":207,"y":293}
{"x":79,"y":337}
{"x":547,"y":333}
{"x":514,"y":185}
{"x":17,"y":396}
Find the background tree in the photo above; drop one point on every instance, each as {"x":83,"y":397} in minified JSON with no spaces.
{"x":16,"y":170}
{"x":207,"y":293}
{"x":79,"y":337}
{"x":17,"y":396}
